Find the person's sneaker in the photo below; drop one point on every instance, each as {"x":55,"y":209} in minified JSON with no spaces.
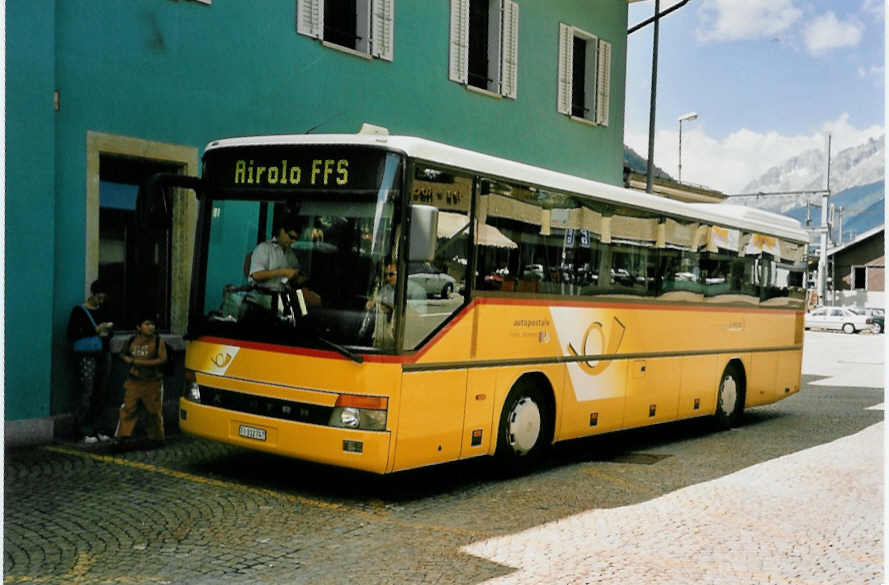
{"x":103,"y":438}
{"x":90,"y":440}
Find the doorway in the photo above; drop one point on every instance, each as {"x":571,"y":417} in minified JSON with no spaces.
{"x":134,"y":263}
{"x":145,"y":270}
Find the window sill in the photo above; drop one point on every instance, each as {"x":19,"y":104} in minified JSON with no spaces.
{"x":481,"y":91}
{"x":583,"y":120}
{"x":347,"y":50}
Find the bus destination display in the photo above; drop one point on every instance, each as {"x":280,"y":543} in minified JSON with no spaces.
{"x":295,"y":168}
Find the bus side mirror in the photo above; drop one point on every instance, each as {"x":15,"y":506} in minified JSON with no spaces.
{"x":154,"y":204}
{"x":424,"y":233}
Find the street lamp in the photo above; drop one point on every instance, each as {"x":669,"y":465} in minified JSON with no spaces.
{"x":687,"y":117}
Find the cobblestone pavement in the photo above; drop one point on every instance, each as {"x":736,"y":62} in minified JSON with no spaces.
{"x":674,"y":504}
{"x":808,"y":517}
{"x":784,"y":521}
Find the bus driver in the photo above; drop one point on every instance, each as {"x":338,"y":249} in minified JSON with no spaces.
{"x":273,"y":262}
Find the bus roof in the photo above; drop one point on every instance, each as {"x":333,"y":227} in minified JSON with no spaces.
{"x":736,"y":216}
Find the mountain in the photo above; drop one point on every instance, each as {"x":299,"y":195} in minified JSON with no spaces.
{"x":863,"y":209}
{"x":856,"y":181}
{"x":858,"y":165}
{"x":639,"y":164}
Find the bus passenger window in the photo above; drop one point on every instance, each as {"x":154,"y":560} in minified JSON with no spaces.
{"x":681,"y":271}
{"x":528,"y":243}
{"x":436,"y":289}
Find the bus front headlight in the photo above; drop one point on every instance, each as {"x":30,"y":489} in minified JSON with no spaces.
{"x":345,"y":417}
{"x":192,"y":392}
{"x":367,"y":413}
{"x":190,"y":389}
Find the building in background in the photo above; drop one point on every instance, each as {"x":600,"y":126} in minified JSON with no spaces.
{"x":857,"y":270}
{"x":667,"y":187}
{"x":102,"y":94}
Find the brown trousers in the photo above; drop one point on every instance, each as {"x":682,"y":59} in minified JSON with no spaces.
{"x":151,"y":394}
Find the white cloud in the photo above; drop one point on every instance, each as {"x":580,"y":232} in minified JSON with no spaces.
{"x":730,"y":163}
{"x":873,"y":8}
{"x":729,"y":20}
{"x":828,"y":32}
{"x":874,"y":72}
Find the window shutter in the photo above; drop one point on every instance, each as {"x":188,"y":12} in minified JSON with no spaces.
{"x":509,"y":69}
{"x":590,"y":76}
{"x":603,"y":83}
{"x":566,"y":68}
{"x":310,"y":18}
{"x":363,"y":26}
{"x":382,"y":17}
{"x":459,"y":63}
{"x":495,"y":49}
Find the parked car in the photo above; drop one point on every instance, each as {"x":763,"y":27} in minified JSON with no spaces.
{"x":533,"y":272}
{"x":838,"y":318}
{"x":432,"y":280}
{"x":878,"y":316}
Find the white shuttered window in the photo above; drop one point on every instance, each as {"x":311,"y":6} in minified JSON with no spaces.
{"x":484,"y":45}
{"x":368,"y":28}
{"x":603,"y":83}
{"x":584,"y":82}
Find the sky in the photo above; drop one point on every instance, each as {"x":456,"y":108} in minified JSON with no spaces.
{"x":769,"y":79}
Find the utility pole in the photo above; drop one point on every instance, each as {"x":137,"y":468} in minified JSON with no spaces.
{"x":840,"y":211}
{"x":822,"y":257}
{"x":649,"y":184}
{"x":649,"y":180}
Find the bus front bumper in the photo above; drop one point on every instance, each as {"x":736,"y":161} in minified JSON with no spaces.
{"x":364,"y":450}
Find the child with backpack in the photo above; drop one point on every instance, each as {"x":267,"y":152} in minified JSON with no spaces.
{"x":146,"y":355}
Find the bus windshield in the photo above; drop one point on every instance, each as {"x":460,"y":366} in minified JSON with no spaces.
{"x":300,"y":257}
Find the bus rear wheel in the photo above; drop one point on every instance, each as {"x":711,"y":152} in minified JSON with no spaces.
{"x":730,"y":399}
{"x":524,"y":432}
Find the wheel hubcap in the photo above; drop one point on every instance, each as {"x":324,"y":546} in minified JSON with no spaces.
{"x":729,"y":395}
{"x":524,"y":426}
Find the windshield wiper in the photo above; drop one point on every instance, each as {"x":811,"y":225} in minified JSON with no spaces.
{"x":343,"y":350}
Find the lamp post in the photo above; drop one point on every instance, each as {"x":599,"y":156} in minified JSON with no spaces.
{"x":687,"y":117}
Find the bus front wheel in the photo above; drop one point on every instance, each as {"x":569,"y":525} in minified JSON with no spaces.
{"x":523,"y":435}
{"x":730,"y":400}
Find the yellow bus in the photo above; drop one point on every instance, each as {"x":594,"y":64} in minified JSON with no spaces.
{"x":445,"y":304}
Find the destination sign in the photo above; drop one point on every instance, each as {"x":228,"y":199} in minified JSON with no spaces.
{"x":297,"y":168}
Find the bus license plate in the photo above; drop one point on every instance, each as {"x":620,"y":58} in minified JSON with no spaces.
{"x":251,"y":433}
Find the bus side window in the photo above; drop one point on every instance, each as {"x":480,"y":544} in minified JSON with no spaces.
{"x":575,"y":228}
{"x":681,"y":270}
{"x":526,"y":243}
{"x":436,"y":288}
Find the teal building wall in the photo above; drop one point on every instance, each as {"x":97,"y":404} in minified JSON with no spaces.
{"x":184,"y":72}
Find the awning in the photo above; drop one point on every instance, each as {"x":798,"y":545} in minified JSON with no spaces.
{"x":491,"y":236}
{"x":450,"y":223}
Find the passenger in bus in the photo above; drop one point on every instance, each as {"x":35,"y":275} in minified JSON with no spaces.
{"x":380,"y":307}
{"x":273,"y":262}
{"x":385,"y":295}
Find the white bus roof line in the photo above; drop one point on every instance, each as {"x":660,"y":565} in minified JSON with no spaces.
{"x":735,"y":216}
